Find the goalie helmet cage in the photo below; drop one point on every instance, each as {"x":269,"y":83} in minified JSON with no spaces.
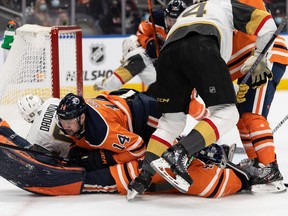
{"x":44,"y":61}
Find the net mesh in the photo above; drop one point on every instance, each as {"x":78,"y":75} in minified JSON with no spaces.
{"x":28,"y":69}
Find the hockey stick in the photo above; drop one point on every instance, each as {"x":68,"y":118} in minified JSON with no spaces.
{"x":263,"y":52}
{"x":46,"y":154}
{"x":154,"y":28}
{"x":280,"y":124}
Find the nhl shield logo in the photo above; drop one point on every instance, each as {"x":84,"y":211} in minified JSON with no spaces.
{"x":97,"y":54}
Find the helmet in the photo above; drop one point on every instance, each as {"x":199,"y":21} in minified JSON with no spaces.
{"x":130,"y":44}
{"x":28,"y":106}
{"x":212,"y":154}
{"x":172,"y":11}
{"x":175,"y":8}
{"x":71,"y":106}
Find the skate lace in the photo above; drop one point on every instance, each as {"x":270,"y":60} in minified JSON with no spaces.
{"x":184,"y":161}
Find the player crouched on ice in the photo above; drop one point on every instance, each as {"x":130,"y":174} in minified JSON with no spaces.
{"x":209,"y":168}
{"x":22,"y":168}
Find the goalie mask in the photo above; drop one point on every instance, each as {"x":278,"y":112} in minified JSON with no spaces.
{"x":69,"y":116}
{"x":28,"y":106}
{"x":172,"y":11}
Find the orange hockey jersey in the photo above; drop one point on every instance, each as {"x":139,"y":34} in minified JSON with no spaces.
{"x":108,"y":125}
{"x":209,"y":180}
{"x":243,"y":44}
{"x":145,"y":32}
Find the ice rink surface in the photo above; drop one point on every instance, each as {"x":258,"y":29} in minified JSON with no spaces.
{"x":16,"y":202}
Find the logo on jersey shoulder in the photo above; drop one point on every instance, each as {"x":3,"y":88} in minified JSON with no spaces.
{"x":97,"y":54}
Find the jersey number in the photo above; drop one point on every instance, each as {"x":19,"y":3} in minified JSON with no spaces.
{"x":122,"y":140}
{"x":198,"y":10}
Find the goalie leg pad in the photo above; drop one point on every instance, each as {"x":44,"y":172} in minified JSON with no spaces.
{"x":31,"y":175}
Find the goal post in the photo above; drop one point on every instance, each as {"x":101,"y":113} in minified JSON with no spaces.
{"x":61,"y":33}
{"x":44,"y":61}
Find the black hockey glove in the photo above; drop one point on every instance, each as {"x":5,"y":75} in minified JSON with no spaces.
{"x":151,"y":46}
{"x":91,"y":159}
{"x":151,"y":49}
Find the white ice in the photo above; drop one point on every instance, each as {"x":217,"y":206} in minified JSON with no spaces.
{"x":16,"y":202}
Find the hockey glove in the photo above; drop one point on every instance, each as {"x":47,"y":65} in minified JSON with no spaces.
{"x":198,"y":110}
{"x":99,"y":83}
{"x":151,"y":49}
{"x":91,"y":159}
{"x":242,"y":90}
{"x":262,"y":71}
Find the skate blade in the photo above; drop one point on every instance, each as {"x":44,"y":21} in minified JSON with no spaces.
{"x":131,"y":194}
{"x":179,"y":183}
{"x":231,"y":153}
{"x":273,"y":187}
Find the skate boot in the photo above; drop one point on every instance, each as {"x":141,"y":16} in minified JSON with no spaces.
{"x":269,"y":180}
{"x":174,"y":158}
{"x":140,"y":184}
{"x":249,"y":162}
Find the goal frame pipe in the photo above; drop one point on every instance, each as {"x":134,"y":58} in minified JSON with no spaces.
{"x":55,"y":58}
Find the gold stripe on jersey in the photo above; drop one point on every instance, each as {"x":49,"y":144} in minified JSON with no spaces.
{"x":157,"y":145}
{"x":208,"y":131}
{"x":252,"y":27}
{"x":123,"y":74}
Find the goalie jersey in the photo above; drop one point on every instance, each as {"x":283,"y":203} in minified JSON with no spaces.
{"x":219,"y":18}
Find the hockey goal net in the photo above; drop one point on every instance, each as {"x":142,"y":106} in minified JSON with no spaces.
{"x":44,"y":61}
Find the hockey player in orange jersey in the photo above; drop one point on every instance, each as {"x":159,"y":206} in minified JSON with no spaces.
{"x":214,"y":175}
{"x":120,"y":121}
{"x":255,"y":132}
{"x":163,"y":21}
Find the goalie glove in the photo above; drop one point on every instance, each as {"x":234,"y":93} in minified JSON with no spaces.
{"x":241,"y":91}
{"x":262,"y":71}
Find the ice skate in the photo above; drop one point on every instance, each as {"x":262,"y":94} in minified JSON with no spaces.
{"x":140,"y":184}
{"x":175,"y":158}
{"x":229,"y":150}
{"x":270,"y":180}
